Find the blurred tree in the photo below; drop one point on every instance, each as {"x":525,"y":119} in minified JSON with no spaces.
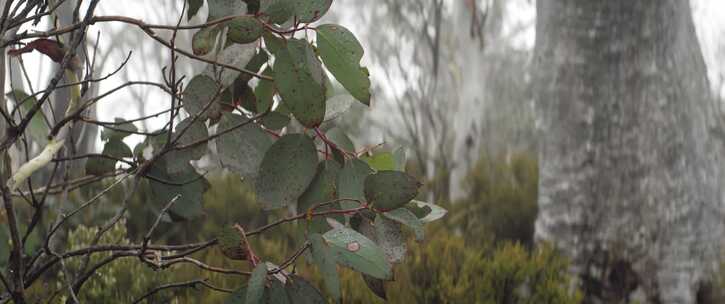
{"x":630,"y":176}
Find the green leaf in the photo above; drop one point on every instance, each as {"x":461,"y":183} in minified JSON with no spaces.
{"x":354,"y":250}
{"x":276,"y":293}
{"x":325,"y":261}
{"x":387,"y":190}
{"x":37,"y":127}
{"x":194,"y":6}
{"x":194,"y":133}
{"x":380,"y":161}
{"x":187,"y":183}
{"x":222,"y":8}
{"x":311,"y":10}
{"x":100,"y":165}
{"x":230,"y":244}
{"x":287,"y":169}
{"x":255,"y":286}
{"x":302,"y":292}
{"x":245,"y":29}
{"x":388,"y":235}
{"x":242,"y":149}
{"x":278,"y":11}
{"x":321,"y":189}
{"x":273,"y":43}
{"x":265,"y":91}
{"x":237,"y":55}
{"x":204,"y":40}
{"x":198,"y":93}
{"x":350,"y":182}
{"x":275,"y":120}
{"x":299,"y":78}
{"x":341,"y":52}
{"x":120,"y":130}
{"x":239,"y":296}
{"x":342,"y":144}
{"x":426,"y":212}
{"x":407,"y":218}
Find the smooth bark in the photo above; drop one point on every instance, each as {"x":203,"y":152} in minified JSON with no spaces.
{"x":630,"y":173}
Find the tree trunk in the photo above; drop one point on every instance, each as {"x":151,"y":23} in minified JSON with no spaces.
{"x":630,"y":172}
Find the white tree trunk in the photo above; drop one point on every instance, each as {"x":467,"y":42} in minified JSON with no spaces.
{"x":630,"y":172}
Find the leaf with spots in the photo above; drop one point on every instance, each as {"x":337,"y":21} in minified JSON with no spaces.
{"x":350,"y":182}
{"x":277,"y":11}
{"x":244,"y":29}
{"x":388,"y":235}
{"x":407,"y":218}
{"x":198,"y":93}
{"x":230,"y":244}
{"x":222,"y":8}
{"x":204,"y":40}
{"x":321,"y":189}
{"x":236,"y":55}
{"x":188,"y":184}
{"x":341,"y":53}
{"x":388,"y":190}
{"x":354,"y":250}
{"x":255,"y":286}
{"x":287,"y":169}
{"x":242,"y":149}
{"x":195,"y":132}
{"x":302,"y":292}
{"x":311,"y":10}
{"x":325,"y":261}
{"x":299,"y":78}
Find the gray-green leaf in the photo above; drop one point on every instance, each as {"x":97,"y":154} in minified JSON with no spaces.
{"x":407,"y":218}
{"x":287,"y":169}
{"x":354,"y":250}
{"x":255,"y":286}
{"x":387,"y":190}
{"x":350,"y":182}
{"x":342,"y":52}
{"x":242,"y":149}
{"x":299,"y":78}
{"x":245,"y":29}
{"x":325,"y":261}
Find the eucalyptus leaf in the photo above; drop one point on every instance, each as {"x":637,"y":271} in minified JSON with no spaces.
{"x":287,"y":168}
{"x":243,"y":148}
{"x":341,"y":52}
{"x":187,"y":184}
{"x":325,"y":261}
{"x":278,"y":11}
{"x":198,"y":93}
{"x":255,"y":286}
{"x":387,"y":190}
{"x":407,"y":218}
{"x":350,"y":182}
{"x":244,"y":29}
{"x":37,"y":128}
{"x":237,"y":55}
{"x":354,"y":250}
{"x":321,"y":189}
{"x":302,"y":292}
{"x":204,"y":40}
{"x":426,"y":212}
{"x":311,"y":10}
{"x":100,"y":165}
{"x":380,"y":161}
{"x":195,"y":131}
{"x":299,"y":78}
{"x":222,"y":8}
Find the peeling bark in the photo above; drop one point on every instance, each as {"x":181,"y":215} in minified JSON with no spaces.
{"x":630,"y":173}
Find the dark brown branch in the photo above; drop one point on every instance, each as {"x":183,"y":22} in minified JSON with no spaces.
{"x":187,"y":284}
